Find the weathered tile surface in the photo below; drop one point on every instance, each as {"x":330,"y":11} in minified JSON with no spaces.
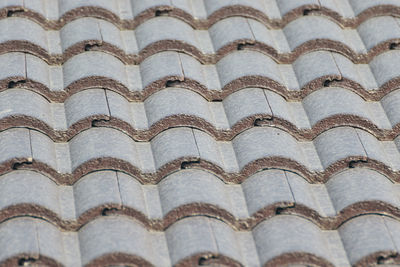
{"x":199,"y":132}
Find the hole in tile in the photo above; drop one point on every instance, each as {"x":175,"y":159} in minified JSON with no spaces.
{"x":280,"y":210}
{"x":394,"y":46}
{"x":13,"y":84}
{"x":172,"y":83}
{"x":108,"y":211}
{"x":205,"y":260}
{"x":98,"y":122}
{"x":244,"y":46}
{"x":356,"y":163}
{"x":89,"y":47}
{"x":26,"y":261}
{"x":162,"y":12}
{"x":11,"y":13}
{"x":189,"y":164}
{"x":263,"y":121}
{"x":328,"y":82}
{"x":18,"y":165}
{"x":388,"y":259}
{"x":308,"y":11}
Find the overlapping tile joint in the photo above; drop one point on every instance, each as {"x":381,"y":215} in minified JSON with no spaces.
{"x":199,"y":132}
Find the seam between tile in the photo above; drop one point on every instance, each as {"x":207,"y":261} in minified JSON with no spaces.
{"x":107,"y":102}
{"x":337,"y":67}
{"x":359,"y":139}
{"x":213,"y":235}
{"x":30,"y":144}
{"x":119,"y":189}
{"x":181,"y":66}
{"x":25,"y":67}
{"x":270,"y":108}
{"x":195,"y":142}
{"x":99,"y":29}
{"x":190,"y":4}
{"x":396,"y":22}
{"x":389,"y":232}
{"x":251,"y":30}
{"x":37,"y":239}
{"x":290,"y":187}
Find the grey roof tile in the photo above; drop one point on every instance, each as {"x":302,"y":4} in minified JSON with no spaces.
{"x":337,"y":144}
{"x":109,"y":235}
{"x":267,"y":188}
{"x":192,"y":68}
{"x":21,"y":29}
{"x":84,"y":104}
{"x":269,"y":37}
{"x":91,"y":64}
{"x":78,"y":31}
{"x":50,"y":241}
{"x":334,"y":101}
{"x":306,"y":29}
{"x":151,"y":70}
{"x":173,"y":144}
{"x":314,"y":65}
{"x":132,"y":195}
{"x":198,"y":235}
{"x":373,"y":148}
{"x":17,"y":102}
{"x":360,"y":6}
{"x":246,"y":63}
{"x":305,"y":194}
{"x":37,"y":70}
{"x":120,"y":108}
{"x":286,"y":234}
{"x":384,"y":68}
{"x":29,"y":188}
{"x":376,"y":30}
{"x":15,"y":143}
{"x":13,"y":65}
{"x":90,"y":145}
{"x":43,"y":149}
{"x":229,"y":30}
{"x":364,"y":235}
{"x":245,"y":103}
{"x":358,"y":185}
{"x":192,"y":186}
{"x":164,"y":28}
{"x":19,"y":237}
{"x":280,"y":108}
{"x":258,"y":143}
{"x":89,"y":191}
{"x":208,"y":148}
{"x":390,"y":103}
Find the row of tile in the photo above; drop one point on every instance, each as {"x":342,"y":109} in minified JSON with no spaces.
{"x":53,"y":14}
{"x":264,"y":195}
{"x":282,"y":240}
{"x":303,"y":35}
{"x":236,"y":70}
{"x":178,"y":148}
{"x":173,"y":107}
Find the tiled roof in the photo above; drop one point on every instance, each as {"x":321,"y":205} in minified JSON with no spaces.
{"x":199,"y":132}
